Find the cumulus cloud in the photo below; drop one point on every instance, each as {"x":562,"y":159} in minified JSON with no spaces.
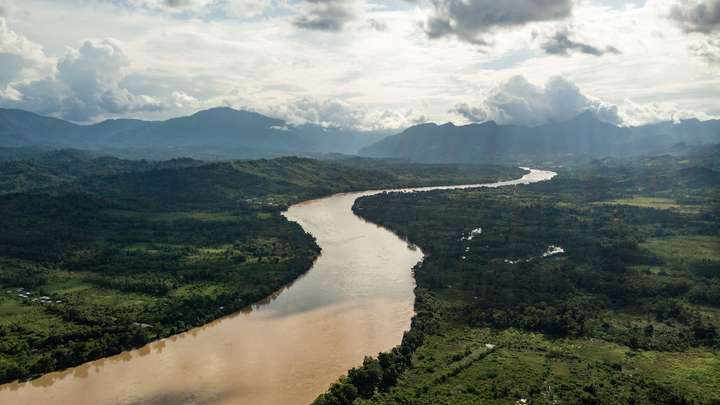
{"x":469,"y":113}
{"x":338,"y":113}
{"x":182,"y":100}
{"x":92,"y":74}
{"x":326,"y":15}
{"x":561,"y":42}
{"x":517,"y":101}
{"x":697,"y":15}
{"x":635,"y":114}
{"x":84,"y":86}
{"x":468,"y":20}
{"x":21,"y":60}
{"x":45,"y":96}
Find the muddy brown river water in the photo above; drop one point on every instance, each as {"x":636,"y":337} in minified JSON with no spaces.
{"x":357,"y":300}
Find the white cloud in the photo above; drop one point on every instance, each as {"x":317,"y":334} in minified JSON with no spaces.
{"x":634,"y":114}
{"x":21,"y":59}
{"x":170,"y":5}
{"x":708,"y":49}
{"x":193,"y":56}
{"x":182,"y":100}
{"x":85,"y":85}
{"x":92,"y":74}
{"x":517,"y":101}
{"x":246,"y":8}
{"x":337,"y":113}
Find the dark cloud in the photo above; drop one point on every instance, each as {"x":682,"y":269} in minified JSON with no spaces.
{"x":326,"y":15}
{"x":517,"y":101}
{"x":561,"y":43}
{"x":178,"y":3}
{"x":700,"y":17}
{"x":468,"y":20}
{"x":697,"y":16}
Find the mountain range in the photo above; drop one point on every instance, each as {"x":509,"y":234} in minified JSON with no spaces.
{"x":225,"y":133}
{"x":583,"y":135}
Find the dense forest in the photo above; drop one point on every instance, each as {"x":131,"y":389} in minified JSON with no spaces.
{"x":99,"y":255}
{"x":600,"y":286}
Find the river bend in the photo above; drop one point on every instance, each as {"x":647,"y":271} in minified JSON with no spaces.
{"x":357,"y":300}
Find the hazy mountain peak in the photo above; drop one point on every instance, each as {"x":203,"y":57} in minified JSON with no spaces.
{"x":221,"y":131}
{"x":583,"y":134}
{"x":218,"y":111}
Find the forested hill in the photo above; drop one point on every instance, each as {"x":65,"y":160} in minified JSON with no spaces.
{"x":583,"y":135}
{"x":220,"y":133}
{"x":180,"y":179}
{"x":35,"y":170}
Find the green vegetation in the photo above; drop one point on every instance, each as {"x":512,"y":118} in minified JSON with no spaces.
{"x":654,"y":202}
{"x":104,"y":254}
{"x":52,"y":169}
{"x":409,"y":174}
{"x":628,"y":312}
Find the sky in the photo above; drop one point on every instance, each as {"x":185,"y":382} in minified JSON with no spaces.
{"x":361,"y":64}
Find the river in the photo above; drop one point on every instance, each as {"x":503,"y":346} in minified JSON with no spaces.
{"x":357,"y":300}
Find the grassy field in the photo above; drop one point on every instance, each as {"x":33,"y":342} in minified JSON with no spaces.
{"x":683,"y":249}
{"x":658,"y":203}
{"x":458,"y":367}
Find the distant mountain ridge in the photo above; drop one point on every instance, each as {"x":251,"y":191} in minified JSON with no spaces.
{"x":224,"y":133}
{"x":583,"y":135}
{"x":222,"y":129}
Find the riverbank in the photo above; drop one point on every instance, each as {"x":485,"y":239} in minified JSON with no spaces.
{"x":626,"y":313}
{"x":285,"y":315}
